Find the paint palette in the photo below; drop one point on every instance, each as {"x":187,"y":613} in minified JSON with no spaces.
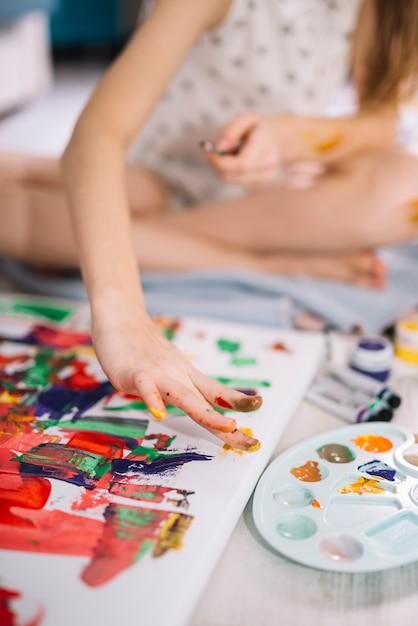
{"x":345,"y":500}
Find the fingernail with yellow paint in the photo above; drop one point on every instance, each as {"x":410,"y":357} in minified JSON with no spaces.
{"x":160,"y":415}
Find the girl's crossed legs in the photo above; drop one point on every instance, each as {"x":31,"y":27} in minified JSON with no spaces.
{"x":328,"y":230}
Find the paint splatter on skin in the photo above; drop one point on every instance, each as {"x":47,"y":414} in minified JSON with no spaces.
{"x":373,"y":443}
{"x":324,"y":143}
{"x":252,"y":448}
{"x":363,"y":485}
{"x":223,"y":403}
{"x":412,"y":207}
{"x":309,"y":472}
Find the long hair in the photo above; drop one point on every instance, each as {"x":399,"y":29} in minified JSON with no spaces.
{"x":391,"y":70}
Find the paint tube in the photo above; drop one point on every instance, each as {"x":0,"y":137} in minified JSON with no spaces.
{"x":353,"y":406}
{"x":372,"y":387}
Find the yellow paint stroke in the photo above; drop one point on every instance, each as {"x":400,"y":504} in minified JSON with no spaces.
{"x":363,"y":485}
{"x":308,"y":473}
{"x":373,"y":443}
{"x":9,"y":398}
{"x":255,"y":446}
{"x":172,"y":533}
{"x":325,"y":143}
{"x":157,"y":413}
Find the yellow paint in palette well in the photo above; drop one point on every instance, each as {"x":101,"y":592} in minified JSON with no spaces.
{"x":363,"y":485}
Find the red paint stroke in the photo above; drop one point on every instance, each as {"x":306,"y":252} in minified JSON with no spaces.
{"x":58,"y":337}
{"x":157,"y":494}
{"x":163,"y":442}
{"x":79,"y":379}
{"x":8,"y":613}
{"x":223,"y":403}
{"x":27,"y":492}
{"x":51,"y":532}
{"x":128,"y":533}
{"x":97,"y":443}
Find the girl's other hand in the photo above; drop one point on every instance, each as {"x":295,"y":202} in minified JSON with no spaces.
{"x":257,"y":163}
{"x":138,"y":360}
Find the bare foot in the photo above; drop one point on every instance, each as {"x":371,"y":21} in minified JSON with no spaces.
{"x":363,"y":268}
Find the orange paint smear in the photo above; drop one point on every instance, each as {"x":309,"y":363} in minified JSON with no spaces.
{"x":363,"y":485}
{"x":249,"y":433}
{"x":308,"y":473}
{"x":316,"y":504}
{"x":414,"y":206}
{"x":325,"y":144}
{"x":373,"y":443}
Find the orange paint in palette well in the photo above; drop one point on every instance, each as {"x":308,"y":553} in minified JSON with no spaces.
{"x":373,"y":443}
{"x":308,"y":473}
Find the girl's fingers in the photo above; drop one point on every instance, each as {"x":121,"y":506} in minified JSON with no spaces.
{"x":225,"y":397}
{"x":196,"y":407}
{"x":140,"y":383}
{"x":236,"y":129}
{"x":237,"y":439}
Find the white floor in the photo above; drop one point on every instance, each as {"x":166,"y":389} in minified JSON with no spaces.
{"x":43,"y":127}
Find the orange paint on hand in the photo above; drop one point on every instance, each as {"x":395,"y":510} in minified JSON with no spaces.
{"x":373,"y":443}
{"x":324,"y":144}
{"x":308,"y":473}
{"x":252,"y":448}
{"x":413,"y":205}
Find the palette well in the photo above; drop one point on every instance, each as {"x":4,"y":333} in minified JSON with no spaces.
{"x":345,"y":500}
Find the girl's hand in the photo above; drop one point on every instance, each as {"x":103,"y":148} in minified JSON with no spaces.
{"x":256,"y":164}
{"x":138,"y":360}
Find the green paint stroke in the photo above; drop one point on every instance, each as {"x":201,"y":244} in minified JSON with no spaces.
{"x":122,"y":428}
{"x":52,"y":312}
{"x":138,"y":405}
{"x":228,"y":346}
{"x":239,"y":361}
{"x":242,"y":382}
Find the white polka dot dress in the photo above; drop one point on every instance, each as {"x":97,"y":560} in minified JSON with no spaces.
{"x":271,"y":56}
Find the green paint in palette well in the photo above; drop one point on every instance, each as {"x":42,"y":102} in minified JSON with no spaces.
{"x":52,"y":312}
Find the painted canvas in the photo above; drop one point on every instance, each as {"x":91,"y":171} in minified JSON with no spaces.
{"x":106,"y":514}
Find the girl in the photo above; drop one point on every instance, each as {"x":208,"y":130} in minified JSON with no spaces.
{"x":279,"y":190}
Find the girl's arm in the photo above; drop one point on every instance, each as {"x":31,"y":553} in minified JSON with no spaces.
{"x":136,"y":358}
